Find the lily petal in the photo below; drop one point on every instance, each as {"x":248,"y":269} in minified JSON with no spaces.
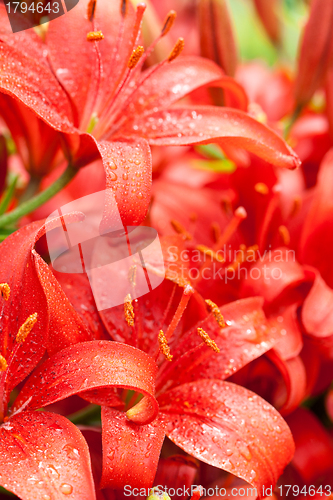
{"x":245,"y":337}
{"x":222,"y":424}
{"x":86,"y":366}
{"x":135,"y":461}
{"x":205,"y":124}
{"x":317,"y":309}
{"x":44,"y":456}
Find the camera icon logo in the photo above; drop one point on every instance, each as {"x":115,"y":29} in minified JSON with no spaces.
{"x":118,"y":260}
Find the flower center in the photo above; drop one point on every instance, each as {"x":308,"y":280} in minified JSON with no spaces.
{"x":103,"y":117}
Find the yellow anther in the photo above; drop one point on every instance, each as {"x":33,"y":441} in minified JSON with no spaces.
{"x":251,"y":253}
{"x":177,"y":49}
{"x":216,"y":231}
{"x":26,"y":328}
{"x":208,"y":251}
{"x":164,"y":348}
{"x":132,"y":275}
{"x":240,"y":258}
{"x":135,"y":57}
{"x":91,"y":9}
{"x":284,"y":233}
{"x":261,"y":188}
{"x":169,"y":22}
{"x":296,"y":206}
{"x":95,"y":36}
{"x":129,"y":311}
{"x":5,"y":291}
{"x":180,"y":229}
{"x":3,"y":364}
{"x":207,"y":340}
{"x":216,"y":313}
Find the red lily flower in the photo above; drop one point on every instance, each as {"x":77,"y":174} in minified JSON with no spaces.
{"x":195,"y":402}
{"x":75,"y":90}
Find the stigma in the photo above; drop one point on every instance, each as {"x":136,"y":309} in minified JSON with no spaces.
{"x":5,"y":291}
{"x":26,"y":328}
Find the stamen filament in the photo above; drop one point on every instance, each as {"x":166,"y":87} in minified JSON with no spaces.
{"x":239,"y":215}
{"x":188,"y":291}
{"x":207,"y":340}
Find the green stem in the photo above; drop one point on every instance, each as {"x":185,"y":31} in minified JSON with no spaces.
{"x":30,"y":190}
{"x":38,"y":200}
{"x":8,"y":195}
{"x":81,"y":416}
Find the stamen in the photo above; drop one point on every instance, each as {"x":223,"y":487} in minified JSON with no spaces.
{"x":177,"y":49}
{"x":216,"y":231}
{"x":168,"y":22}
{"x":132,"y":275}
{"x":239,"y":215}
{"x":296,"y":206}
{"x":208,"y":251}
{"x":284,"y":233}
{"x":188,"y":291}
{"x":164,"y":348}
{"x":91,"y":9}
{"x":216,"y":313}
{"x":95,"y":36}
{"x":5,"y":291}
{"x":129,"y":311}
{"x":240,"y":257}
{"x":123,"y":8}
{"x":261,"y":188}
{"x":251,"y":252}
{"x":3,"y":364}
{"x":135,"y":57}
{"x":26,"y":328}
{"x":177,"y":226}
{"x":207,"y":340}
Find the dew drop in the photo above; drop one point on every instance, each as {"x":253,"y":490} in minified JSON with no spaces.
{"x":66,"y":489}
